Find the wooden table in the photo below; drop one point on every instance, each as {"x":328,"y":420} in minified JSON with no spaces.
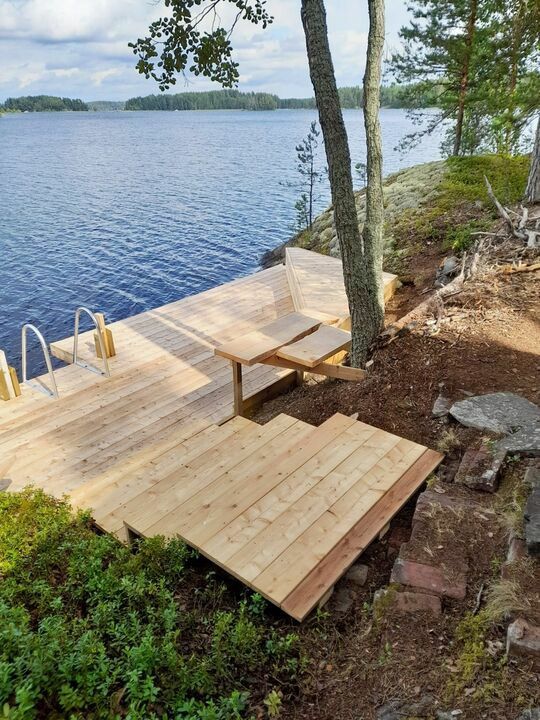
{"x":297,"y":341}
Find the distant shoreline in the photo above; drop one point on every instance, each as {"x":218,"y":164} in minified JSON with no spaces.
{"x":392,"y":97}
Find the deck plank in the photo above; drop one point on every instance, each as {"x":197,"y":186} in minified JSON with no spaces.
{"x":336,"y":562}
{"x":281,"y":577}
{"x":261,"y":344}
{"x":313,"y":349}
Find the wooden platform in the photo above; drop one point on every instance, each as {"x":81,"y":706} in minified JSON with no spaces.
{"x":271,"y":504}
{"x":316,"y":283}
{"x":153,"y":448}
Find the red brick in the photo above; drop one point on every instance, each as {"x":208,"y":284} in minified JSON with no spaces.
{"x":481,"y":466}
{"x":429,"y":578}
{"x":523,"y":640}
{"x":410,"y":602}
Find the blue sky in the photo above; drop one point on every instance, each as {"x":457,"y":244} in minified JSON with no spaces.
{"x":78,"y":48}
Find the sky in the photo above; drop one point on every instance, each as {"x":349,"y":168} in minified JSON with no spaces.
{"x":78,"y":48}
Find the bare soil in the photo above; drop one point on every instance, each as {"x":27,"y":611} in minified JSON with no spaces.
{"x":487,"y":340}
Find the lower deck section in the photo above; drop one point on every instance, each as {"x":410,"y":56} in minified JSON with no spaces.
{"x":285,"y":508}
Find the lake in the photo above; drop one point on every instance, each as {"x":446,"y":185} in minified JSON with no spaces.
{"x":126,"y":211}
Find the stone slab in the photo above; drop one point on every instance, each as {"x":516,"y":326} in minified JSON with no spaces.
{"x":532,"y":522}
{"x":501,"y":413}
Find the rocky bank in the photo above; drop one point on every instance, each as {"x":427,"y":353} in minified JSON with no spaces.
{"x":407,"y":190}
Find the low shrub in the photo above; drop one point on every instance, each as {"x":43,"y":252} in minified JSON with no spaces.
{"x":89,"y":629}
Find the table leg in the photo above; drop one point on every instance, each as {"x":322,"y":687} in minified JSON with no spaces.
{"x":237,"y":388}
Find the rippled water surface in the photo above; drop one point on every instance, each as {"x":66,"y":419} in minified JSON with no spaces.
{"x":123,"y":212}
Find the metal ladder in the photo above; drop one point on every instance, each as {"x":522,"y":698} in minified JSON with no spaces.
{"x":51,"y":391}
{"x":106,"y":370}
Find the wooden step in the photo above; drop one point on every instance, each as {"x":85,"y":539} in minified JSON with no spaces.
{"x":110,"y":508}
{"x":195,"y":477}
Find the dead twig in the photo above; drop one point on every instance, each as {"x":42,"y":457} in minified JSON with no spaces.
{"x":479,"y":599}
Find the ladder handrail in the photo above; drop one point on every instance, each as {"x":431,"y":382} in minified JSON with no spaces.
{"x":53,"y":390}
{"x":76,"y":360}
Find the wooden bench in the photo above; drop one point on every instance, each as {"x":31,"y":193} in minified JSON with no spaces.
{"x":296,"y":341}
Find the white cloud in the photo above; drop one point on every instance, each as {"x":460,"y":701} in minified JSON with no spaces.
{"x":98,"y":77}
{"x":79,"y":48}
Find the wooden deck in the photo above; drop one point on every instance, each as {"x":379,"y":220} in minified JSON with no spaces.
{"x":165,"y":382}
{"x":155,"y":449}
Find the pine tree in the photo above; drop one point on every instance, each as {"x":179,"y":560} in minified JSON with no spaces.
{"x":483,"y":56}
{"x":310,"y":177}
{"x":441,"y":45}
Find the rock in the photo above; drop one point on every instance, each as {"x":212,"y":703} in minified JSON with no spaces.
{"x":447,"y":270}
{"x":481,"y":466}
{"x":501,"y":413}
{"x":523,"y":640}
{"x":4,"y":484}
{"x":448,"y":714}
{"x":532,"y":522}
{"x":343,"y":601}
{"x":532,"y":477}
{"x":525,"y":441}
{"x":430,"y":578}
{"x":531,"y":714}
{"x":399,"y":710}
{"x":441,"y":406}
{"x":409,"y":188}
{"x":357,"y":574}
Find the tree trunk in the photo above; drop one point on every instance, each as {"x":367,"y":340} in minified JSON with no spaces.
{"x":360,"y":275}
{"x":464,"y":80}
{"x":533,"y":183}
{"x":374,"y":225}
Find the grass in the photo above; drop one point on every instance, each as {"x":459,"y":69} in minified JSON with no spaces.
{"x":505,"y":598}
{"x":448,"y":441}
{"x":89,"y":629}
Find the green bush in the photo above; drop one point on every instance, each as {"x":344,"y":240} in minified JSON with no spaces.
{"x":90,"y":630}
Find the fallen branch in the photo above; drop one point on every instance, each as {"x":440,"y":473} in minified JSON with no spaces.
{"x":504,"y":213}
{"x":507,"y":269}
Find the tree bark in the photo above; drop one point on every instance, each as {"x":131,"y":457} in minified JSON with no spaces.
{"x":374,"y":225}
{"x":464,"y":80}
{"x":533,"y":183}
{"x":360,"y":275}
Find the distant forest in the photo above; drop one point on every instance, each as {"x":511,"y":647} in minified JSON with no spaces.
{"x":392,"y":96}
{"x":107,"y":105}
{"x":43,"y":103}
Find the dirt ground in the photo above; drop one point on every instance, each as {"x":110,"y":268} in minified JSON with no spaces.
{"x":487,"y":340}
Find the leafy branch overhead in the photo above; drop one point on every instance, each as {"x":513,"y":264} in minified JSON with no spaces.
{"x":193,"y":38}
